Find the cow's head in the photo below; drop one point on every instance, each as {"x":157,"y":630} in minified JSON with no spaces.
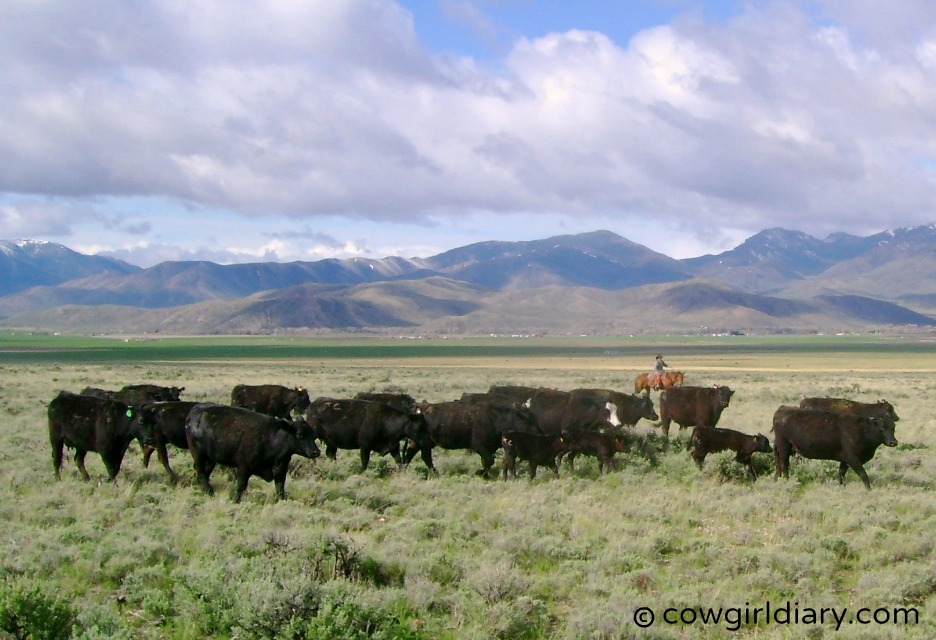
{"x":305,"y":436}
{"x":885,"y":428}
{"x":417,"y":428}
{"x":645,"y":408}
{"x":300,"y":401}
{"x":886,"y":408}
{"x":142,"y":421}
{"x":724,"y":395}
{"x":621,"y":443}
{"x":761,"y":443}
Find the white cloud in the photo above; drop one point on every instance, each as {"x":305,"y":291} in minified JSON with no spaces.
{"x":307,"y":110}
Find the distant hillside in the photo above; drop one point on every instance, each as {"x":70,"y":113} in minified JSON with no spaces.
{"x":596,"y":282}
{"x":600,"y":259}
{"x":29,"y":263}
{"x":443,"y":305}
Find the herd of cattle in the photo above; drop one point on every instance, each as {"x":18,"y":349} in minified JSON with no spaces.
{"x":265,"y":425}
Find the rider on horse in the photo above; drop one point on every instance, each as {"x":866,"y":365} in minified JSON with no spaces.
{"x":656,"y":378}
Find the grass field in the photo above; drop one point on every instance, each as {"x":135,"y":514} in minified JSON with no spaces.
{"x":393,"y":554}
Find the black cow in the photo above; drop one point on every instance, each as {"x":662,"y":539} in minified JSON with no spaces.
{"x":598,"y":445}
{"x":85,"y":423}
{"x":271,"y":399}
{"x":519,"y":393}
{"x":156,"y":392}
{"x":402,"y":401}
{"x":566,"y":413}
{"x":630,"y":408}
{"x":706,"y":440}
{"x":253,"y":443}
{"x":537,"y":449}
{"x":880,"y":409}
{"x":476,"y":425}
{"x":168,"y":428}
{"x":136,"y":394}
{"x":693,"y":406}
{"x":366,"y":425}
{"x":826,"y":435}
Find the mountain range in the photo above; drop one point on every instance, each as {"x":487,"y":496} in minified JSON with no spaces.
{"x":595,"y":283}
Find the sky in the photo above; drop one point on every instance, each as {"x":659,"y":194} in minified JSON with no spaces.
{"x":282,"y":130}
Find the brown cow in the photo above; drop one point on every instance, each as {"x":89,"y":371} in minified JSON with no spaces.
{"x":826,"y":435}
{"x":536,"y":449}
{"x":598,"y":445}
{"x":706,"y":440}
{"x":879,"y":409}
{"x":693,"y":406}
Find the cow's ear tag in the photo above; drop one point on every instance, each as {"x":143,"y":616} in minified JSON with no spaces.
{"x":129,"y":413}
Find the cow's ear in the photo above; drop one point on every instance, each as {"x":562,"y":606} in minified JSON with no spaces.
{"x":289,"y":427}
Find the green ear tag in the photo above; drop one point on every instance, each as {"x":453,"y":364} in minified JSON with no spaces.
{"x":129,"y":413}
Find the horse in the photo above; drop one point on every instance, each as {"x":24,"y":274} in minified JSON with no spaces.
{"x":649,"y":381}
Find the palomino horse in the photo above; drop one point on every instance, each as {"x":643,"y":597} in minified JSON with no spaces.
{"x":651,"y":381}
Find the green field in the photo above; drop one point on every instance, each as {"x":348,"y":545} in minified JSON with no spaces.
{"x":391,"y":553}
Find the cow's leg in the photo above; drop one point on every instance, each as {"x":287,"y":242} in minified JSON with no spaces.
{"x":747,"y":460}
{"x":699,"y":456}
{"x":533,"y":466}
{"x":365,"y":458}
{"x":487,"y":461}
{"x":410,"y":449}
{"x":243,"y":476}
{"x":280,"y":483}
{"x":843,"y":469}
{"x":163,"y":454}
{"x":395,"y":453}
{"x":57,"y":446}
{"x":858,"y":468}
{"x":604,"y":464}
{"x":664,"y":425}
{"x":781,"y":458}
{"x":426,"y":454}
{"x":555,"y":468}
{"x":203,"y":469}
{"x":570,"y":460}
{"x":147,"y":454}
{"x":113,"y":467}
{"x":79,"y":460}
